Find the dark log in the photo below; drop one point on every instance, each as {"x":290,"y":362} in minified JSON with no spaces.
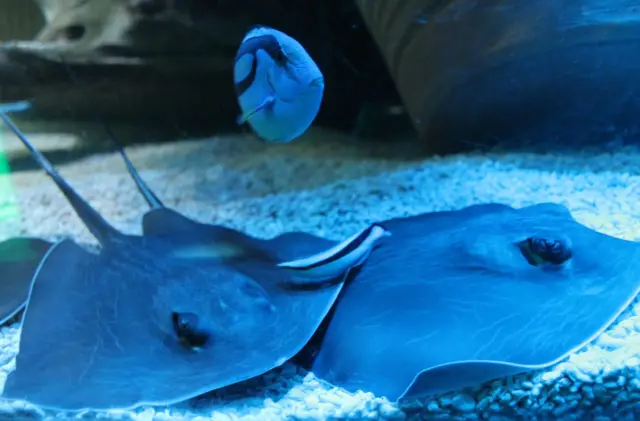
{"x":485,"y":72}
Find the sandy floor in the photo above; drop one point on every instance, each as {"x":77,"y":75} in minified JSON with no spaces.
{"x":326,"y":185}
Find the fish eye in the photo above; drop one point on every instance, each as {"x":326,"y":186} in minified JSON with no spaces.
{"x":74,"y":32}
{"x":541,"y":251}
{"x":280,"y":57}
{"x":188,"y":330}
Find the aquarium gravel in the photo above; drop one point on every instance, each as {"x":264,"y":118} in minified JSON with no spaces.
{"x":330,"y":186}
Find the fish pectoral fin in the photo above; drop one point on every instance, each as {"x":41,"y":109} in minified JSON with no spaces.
{"x":268,"y":102}
{"x":334,"y":264}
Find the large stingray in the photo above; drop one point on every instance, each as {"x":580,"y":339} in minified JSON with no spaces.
{"x":454,"y":299}
{"x":157,"y":320}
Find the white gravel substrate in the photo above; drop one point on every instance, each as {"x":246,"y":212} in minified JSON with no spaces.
{"x":328,"y":186}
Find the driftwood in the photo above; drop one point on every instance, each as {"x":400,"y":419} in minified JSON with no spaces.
{"x":161,"y":60}
{"x":142,"y":58}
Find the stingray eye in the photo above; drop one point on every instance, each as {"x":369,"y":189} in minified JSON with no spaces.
{"x":188,"y":330}
{"x":540,"y":251}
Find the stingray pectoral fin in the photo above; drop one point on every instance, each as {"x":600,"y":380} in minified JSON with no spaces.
{"x":334,"y":263}
{"x":197,"y":241}
{"x":163,"y":221}
{"x":450,"y":377}
{"x":50,"y":337}
{"x":168,"y":222}
{"x":19,"y":259}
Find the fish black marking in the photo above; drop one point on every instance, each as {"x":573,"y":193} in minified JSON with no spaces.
{"x":267,"y":43}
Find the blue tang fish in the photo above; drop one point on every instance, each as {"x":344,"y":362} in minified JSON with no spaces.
{"x":278,"y":85}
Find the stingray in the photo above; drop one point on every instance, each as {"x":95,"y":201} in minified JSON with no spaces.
{"x":160,"y":319}
{"x":456,"y":299}
{"x":19,"y":259}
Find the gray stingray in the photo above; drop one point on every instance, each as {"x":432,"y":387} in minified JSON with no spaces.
{"x":156,"y":320}
{"x":19,"y":259}
{"x":454,"y":299}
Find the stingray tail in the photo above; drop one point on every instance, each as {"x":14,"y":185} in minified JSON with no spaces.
{"x":94,"y":222}
{"x":336,"y":262}
{"x":149,"y":196}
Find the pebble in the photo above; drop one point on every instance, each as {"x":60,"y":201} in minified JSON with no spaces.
{"x":527,"y":384}
{"x":632,"y":363}
{"x":464,"y":403}
{"x":146,"y":415}
{"x":433,"y":406}
{"x":588,"y":392}
{"x":635,"y":383}
{"x":578,"y":375}
{"x":484,"y":403}
{"x":312,"y":400}
{"x":599,"y":390}
{"x":445,"y":400}
{"x":390,"y":411}
{"x":548,"y":407}
{"x":505,"y":397}
{"x":618,"y":333}
{"x":551,"y":376}
{"x":610,"y":385}
{"x":610,"y":342}
{"x":519,"y":394}
{"x":440,"y":417}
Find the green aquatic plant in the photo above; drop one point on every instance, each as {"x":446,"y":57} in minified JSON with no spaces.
{"x":9,"y":208}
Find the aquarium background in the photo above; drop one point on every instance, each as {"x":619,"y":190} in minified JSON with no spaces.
{"x":362,"y":161}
